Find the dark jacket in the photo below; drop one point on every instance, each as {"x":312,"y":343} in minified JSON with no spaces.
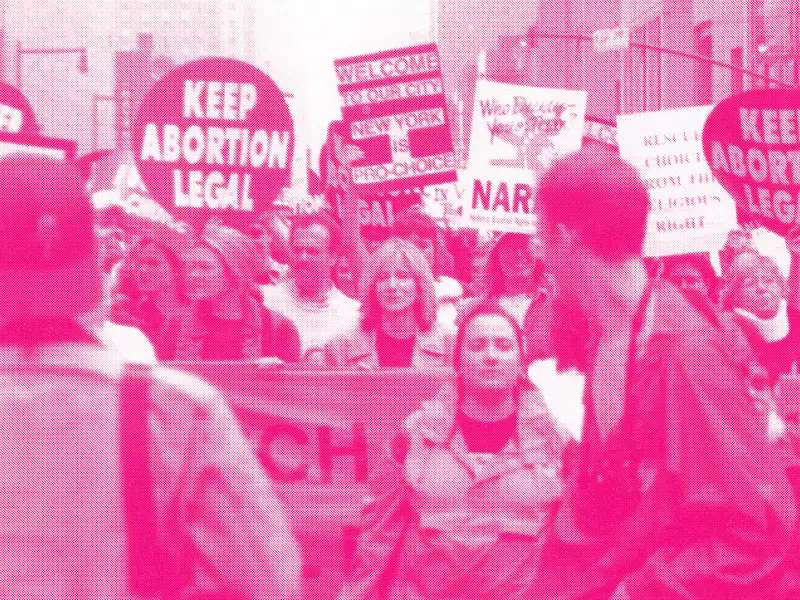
{"x":263,"y":333}
{"x":712,"y":512}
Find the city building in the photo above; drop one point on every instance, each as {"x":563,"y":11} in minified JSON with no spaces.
{"x":47,"y":44}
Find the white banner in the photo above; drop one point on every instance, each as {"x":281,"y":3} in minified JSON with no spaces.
{"x":517,"y":132}
{"x":689,"y":210}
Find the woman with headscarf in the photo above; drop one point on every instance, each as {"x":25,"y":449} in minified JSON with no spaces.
{"x":462,"y":497}
{"x":226,"y":320}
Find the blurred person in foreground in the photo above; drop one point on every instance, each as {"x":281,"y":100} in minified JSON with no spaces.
{"x":464,"y":494}
{"x":119,"y":482}
{"x":398,"y":325}
{"x":676,"y":491}
{"x":226,"y":320}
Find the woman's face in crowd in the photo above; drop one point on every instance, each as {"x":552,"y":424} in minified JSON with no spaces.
{"x":343,"y":276}
{"x":206,"y":278}
{"x":684,"y":276}
{"x":490,"y":355}
{"x":153,"y":270}
{"x":760,"y":293}
{"x":516,"y":260}
{"x":396,"y":287}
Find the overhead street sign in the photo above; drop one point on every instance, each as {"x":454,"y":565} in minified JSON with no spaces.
{"x":606,"y":40}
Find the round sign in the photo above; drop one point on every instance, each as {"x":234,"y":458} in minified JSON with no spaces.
{"x":16,"y":114}
{"x":214,"y":138}
{"x":752,"y":143}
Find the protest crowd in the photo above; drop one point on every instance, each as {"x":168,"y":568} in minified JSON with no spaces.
{"x":604,"y":423}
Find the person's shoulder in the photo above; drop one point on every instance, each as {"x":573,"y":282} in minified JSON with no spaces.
{"x":447,"y":287}
{"x":352,"y":340}
{"x":342,"y":301}
{"x":183,"y":399}
{"x":275,"y":294}
{"x":129,"y":341}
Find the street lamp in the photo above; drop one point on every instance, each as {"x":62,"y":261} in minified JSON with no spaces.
{"x":96,"y":100}
{"x":83,"y":60}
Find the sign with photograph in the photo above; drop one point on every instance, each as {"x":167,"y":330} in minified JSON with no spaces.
{"x":517,"y":132}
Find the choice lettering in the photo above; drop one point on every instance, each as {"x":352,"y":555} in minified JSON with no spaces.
{"x":318,"y":453}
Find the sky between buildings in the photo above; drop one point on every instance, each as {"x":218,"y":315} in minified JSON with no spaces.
{"x":297,"y":41}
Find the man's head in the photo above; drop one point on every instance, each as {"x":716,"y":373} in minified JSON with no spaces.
{"x":315,"y":241}
{"x":592,"y":207}
{"x":49,"y":265}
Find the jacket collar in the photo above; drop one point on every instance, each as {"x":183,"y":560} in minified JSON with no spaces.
{"x":362,"y":345}
{"x":539,"y":441}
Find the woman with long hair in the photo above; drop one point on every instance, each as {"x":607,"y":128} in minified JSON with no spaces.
{"x":398,"y":326}
{"x":153,"y":295}
{"x":226,"y":320}
{"x":462,"y":498}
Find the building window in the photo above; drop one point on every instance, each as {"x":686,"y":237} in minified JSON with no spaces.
{"x":737,"y":77}
{"x":703,"y":72}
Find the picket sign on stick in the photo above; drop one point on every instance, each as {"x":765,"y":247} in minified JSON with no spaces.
{"x":214,"y":138}
{"x":517,"y":132}
{"x":689,"y":209}
{"x":395,"y":110}
{"x":752,"y":142}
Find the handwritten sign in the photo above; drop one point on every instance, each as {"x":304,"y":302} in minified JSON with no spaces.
{"x":689,"y":209}
{"x":394,"y":109}
{"x":517,"y":132}
{"x":214,"y":137}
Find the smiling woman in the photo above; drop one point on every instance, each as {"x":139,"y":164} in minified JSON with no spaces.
{"x":398,"y":315}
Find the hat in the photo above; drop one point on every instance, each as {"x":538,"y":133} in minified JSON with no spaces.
{"x":237,"y":251}
{"x":48,"y":249}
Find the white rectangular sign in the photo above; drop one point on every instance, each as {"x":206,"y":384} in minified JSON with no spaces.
{"x":606,"y":40}
{"x":689,"y":209}
{"x":517,"y":132}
